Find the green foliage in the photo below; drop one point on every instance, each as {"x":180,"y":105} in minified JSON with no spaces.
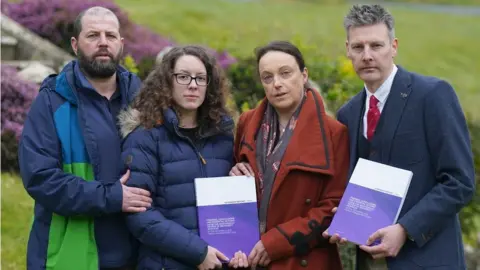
{"x":470,"y":215}
{"x":145,"y":67}
{"x":129,"y":63}
{"x":9,"y":152}
{"x":240,"y":26}
{"x":247,"y":90}
{"x":348,"y":256}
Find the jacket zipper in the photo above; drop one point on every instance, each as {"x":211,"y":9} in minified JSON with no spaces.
{"x":202,"y":160}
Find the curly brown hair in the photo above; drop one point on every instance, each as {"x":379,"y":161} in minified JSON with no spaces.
{"x":155,"y":95}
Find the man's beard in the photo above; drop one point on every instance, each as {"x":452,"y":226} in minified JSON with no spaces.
{"x":98,"y":69}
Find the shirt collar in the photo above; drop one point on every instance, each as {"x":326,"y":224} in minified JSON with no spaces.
{"x":382,"y":92}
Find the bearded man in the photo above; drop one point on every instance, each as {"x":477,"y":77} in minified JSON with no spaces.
{"x":69,"y":156}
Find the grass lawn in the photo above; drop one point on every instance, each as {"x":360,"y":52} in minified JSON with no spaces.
{"x":17,"y":215}
{"x":431,"y":43}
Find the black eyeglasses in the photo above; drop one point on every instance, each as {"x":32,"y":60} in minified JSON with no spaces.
{"x":186,"y":79}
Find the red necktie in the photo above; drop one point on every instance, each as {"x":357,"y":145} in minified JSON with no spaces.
{"x":372,"y":117}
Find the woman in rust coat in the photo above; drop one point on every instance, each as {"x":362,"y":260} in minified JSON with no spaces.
{"x":299,"y":156}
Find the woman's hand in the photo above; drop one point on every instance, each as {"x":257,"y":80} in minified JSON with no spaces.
{"x":242,"y":168}
{"x":239,"y":260}
{"x":258,"y":256}
{"x":212,"y":260}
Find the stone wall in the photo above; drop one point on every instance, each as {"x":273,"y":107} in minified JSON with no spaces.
{"x":20,"y":46}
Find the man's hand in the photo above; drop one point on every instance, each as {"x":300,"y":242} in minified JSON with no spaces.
{"x":212,"y":260}
{"x":134,"y":199}
{"x":239,"y":260}
{"x":392,"y":239}
{"x":258,"y":256}
{"x":334,"y":239}
{"x":242,"y":168}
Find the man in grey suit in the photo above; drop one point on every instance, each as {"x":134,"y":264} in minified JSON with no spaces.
{"x":413,"y":122}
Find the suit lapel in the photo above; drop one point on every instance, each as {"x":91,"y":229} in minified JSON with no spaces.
{"x":393,"y":111}
{"x":354,"y":126}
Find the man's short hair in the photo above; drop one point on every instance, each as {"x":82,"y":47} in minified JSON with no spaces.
{"x":77,"y":24}
{"x":365,"y":15}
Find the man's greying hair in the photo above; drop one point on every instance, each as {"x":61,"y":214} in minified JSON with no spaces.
{"x":77,"y":25}
{"x":365,"y":15}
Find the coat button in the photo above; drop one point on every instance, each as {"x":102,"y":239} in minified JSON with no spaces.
{"x":304,"y":263}
{"x":308,"y":201}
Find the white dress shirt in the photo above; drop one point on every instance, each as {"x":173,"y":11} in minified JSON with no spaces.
{"x":381,"y":94}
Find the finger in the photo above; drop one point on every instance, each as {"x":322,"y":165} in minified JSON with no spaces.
{"x":233,"y":263}
{"x":141,"y":198}
{"x":325,"y":234}
{"x":255,"y":259}
{"x":243,"y":261}
{"x":334,"y":239}
{"x":134,"y":203}
{"x":235,"y":171}
{"x":218,"y":263}
{"x":375,"y":236}
{"x":262,"y":259}
{"x":139,"y":191}
{"x":221,"y":256}
{"x":125,"y":177}
{"x":249,"y":168}
{"x":243,"y":169}
{"x":373,"y":250}
{"x":135,"y":209}
{"x":343,"y":241}
{"x":334,"y":210}
{"x":251,"y":256}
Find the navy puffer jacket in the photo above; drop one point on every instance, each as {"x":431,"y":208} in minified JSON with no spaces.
{"x":165,"y":163}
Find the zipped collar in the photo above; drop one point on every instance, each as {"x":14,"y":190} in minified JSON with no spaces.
{"x":171,"y":123}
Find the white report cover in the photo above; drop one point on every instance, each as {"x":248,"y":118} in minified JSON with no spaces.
{"x":372,"y":200}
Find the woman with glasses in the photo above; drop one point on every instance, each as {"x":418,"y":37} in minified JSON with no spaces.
{"x":176,"y":130}
{"x":299,"y":156}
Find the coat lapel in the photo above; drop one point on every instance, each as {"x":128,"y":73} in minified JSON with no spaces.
{"x":393,"y":110}
{"x":354,"y":125}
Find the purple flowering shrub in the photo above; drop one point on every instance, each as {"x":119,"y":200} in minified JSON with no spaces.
{"x":53,"y":20}
{"x":17,"y":96}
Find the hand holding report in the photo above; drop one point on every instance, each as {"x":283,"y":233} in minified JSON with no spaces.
{"x":227,"y":213}
{"x":372,"y":200}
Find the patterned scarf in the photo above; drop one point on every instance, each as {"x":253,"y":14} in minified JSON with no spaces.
{"x":271,"y":147}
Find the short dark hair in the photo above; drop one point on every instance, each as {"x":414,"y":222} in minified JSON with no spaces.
{"x":281,"y":46}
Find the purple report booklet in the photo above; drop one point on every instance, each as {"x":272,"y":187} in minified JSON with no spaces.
{"x":373,"y":199}
{"x":227,"y":213}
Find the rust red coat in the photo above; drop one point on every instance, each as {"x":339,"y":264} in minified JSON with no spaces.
{"x":310,"y":182}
